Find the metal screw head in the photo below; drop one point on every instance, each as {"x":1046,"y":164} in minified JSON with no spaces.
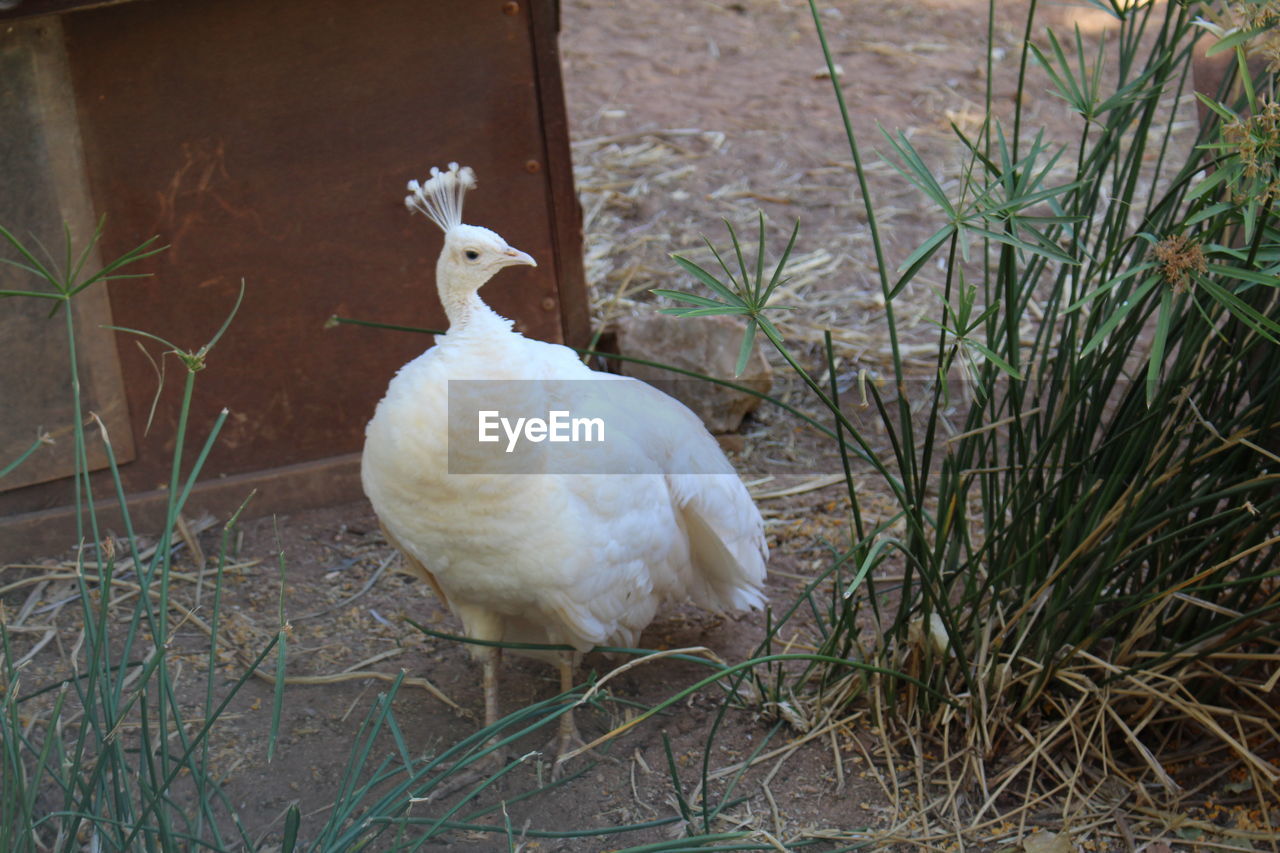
{"x":512,"y":8}
{"x":532,"y":167}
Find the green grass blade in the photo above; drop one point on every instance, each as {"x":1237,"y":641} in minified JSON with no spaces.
{"x":1121,"y":311}
{"x":1155,"y":361}
{"x":745,"y":348}
{"x":40,"y":441}
{"x":33,"y":264}
{"x":292,"y":821}
{"x":729,"y":297}
{"x":691,"y":298}
{"x":776,"y":278}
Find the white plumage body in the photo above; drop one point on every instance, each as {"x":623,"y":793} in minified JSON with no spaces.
{"x":554,"y":557}
{"x":578,"y":559}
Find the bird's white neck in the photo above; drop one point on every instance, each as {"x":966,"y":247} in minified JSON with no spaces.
{"x":465,"y":310}
{"x":459,"y":294}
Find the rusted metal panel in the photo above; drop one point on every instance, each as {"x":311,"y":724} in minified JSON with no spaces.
{"x":270,"y":141}
{"x":43,"y":191}
{"x":13,"y":9}
{"x":564,"y":211}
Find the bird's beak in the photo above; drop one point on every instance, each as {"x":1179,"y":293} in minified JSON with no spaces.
{"x":513,"y":257}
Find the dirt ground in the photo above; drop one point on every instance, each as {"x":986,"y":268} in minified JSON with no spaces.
{"x":682,"y":113}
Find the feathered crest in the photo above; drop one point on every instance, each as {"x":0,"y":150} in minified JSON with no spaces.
{"x":440,"y":196}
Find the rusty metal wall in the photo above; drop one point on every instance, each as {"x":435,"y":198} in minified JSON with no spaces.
{"x":270,"y":141}
{"x":43,"y":193}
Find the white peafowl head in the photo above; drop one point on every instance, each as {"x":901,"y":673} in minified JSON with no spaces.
{"x":471,"y":254}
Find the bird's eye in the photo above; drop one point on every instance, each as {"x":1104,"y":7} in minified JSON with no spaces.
{"x":472,"y":254}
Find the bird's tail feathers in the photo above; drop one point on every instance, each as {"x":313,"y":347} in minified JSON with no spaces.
{"x":729,"y":578}
{"x":440,"y":196}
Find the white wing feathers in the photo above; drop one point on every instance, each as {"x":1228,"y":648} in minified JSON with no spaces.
{"x":726,"y":544}
{"x":727,"y":550}
{"x":726,"y":534}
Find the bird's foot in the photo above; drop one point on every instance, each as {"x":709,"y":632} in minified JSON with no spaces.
{"x":567,"y":744}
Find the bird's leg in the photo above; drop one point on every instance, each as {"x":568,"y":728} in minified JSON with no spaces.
{"x":568,"y":738}
{"x":492,"y":660}
{"x":486,"y":626}
{"x":480,"y":770}
{"x":569,"y":735}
